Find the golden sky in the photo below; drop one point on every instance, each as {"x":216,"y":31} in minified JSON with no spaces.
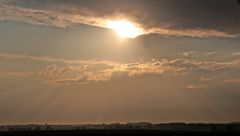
{"x":118,"y":61}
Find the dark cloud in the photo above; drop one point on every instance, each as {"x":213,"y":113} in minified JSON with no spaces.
{"x":185,"y":16}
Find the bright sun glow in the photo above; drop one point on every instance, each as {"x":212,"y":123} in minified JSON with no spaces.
{"x":124,"y":28}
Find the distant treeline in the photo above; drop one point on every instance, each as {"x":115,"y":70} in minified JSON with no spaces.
{"x":197,"y":127}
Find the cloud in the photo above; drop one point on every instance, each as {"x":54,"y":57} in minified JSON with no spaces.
{"x":87,"y":73}
{"x":201,"y":18}
{"x":9,"y":56}
{"x":80,"y":73}
{"x":64,"y":71}
{"x":83,"y":80}
{"x":236,"y":81}
{"x":236,"y":53}
{"x":17,"y":75}
{"x":206,"y":79}
{"x":36,"y":17}
{"x":197,"y":86}
{"x":200,"y":54}
{"x":104,"y":71}
{"x":211,"y":53}
{"x":44,"y":17}
{"x":189,"y":53}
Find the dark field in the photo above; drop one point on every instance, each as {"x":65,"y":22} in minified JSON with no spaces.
{"x":117,"y":129}
{"x":114,"y":133}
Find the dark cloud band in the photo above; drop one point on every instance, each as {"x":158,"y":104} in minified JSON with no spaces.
{"x":171,"y":17}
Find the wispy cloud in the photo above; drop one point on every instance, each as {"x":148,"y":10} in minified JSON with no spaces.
{"x":44,"y":17}
{"x":103,"y":72}
{"x":206,"y":79}
{"x":197,"y":86}
{"x":17,"y":75}
{"x":236,"y":53}
{"x":235,"y":80}
{"x":49,"y":59}
{"x":63,"y":71}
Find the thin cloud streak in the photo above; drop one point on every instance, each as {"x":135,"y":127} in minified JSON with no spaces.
{"x":197,"y":86}
{"x":235,"y":80}
{"x":46,"y":18}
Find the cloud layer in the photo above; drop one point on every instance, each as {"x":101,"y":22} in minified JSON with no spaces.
{"x":198,"y":18}
{"x":64,"y":72}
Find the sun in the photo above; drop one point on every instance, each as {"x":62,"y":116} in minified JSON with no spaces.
{"x":124,"y":28}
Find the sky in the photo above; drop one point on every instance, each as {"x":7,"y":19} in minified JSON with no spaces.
{"x":61,"y":63}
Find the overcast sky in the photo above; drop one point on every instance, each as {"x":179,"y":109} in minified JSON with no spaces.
{"x":59,"y":63}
